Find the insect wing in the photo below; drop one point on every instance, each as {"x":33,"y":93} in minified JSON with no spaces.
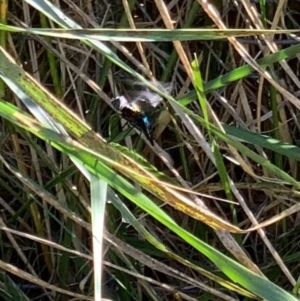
{"x":121,"y":102}
{"x":145,"y":99}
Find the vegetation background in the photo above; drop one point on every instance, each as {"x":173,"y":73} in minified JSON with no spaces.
{"x":183,"y":219}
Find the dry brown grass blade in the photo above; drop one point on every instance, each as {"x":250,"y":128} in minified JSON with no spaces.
{"x":215,"y":16}
{"x":37,"y":218}
{"x":93,"y":141}
{"x":164,"y":12}
{"x":168,"y":195}
{"x":33,"y":279}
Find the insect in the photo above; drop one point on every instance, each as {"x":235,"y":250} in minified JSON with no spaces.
{"x":135,"y":116}
{"x":140,"y":107}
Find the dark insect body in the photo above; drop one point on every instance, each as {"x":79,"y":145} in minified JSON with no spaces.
{"x":135,"y":115}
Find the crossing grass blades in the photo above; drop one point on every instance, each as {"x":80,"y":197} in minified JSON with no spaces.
{"x":140,"y":108}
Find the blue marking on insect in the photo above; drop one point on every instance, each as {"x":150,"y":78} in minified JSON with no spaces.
{"x":146,"y":120}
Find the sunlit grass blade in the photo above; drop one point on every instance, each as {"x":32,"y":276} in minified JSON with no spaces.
{"x":98,"y":202}
{"x":77,"y":128}
{"x":277,"y":146}
{"x":245,"y":150}
{"x":205,"y":107}
{"x":242,"y":72}
{"x":143,"y":35}
{"x":254,"y":283}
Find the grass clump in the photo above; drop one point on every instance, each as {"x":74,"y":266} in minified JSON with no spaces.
{"x":210,"y":211}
